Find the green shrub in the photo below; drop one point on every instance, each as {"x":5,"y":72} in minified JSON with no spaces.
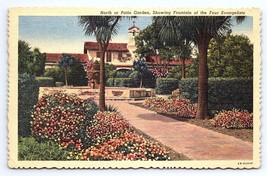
{"x":224,"y":93}
{"x":59,"y":84}
{"x":166,"y":85}
{"x":134,"y":77}
{"x":123,"y":82}
{"x":123,"y":73}
{"x":45,"y":81}
{"x":29,"y":149}
{"x":110,"y":82}
{"x":28,"y":91}
{"x":66,"y":121}
{"x":56,"y":72}
{"x":149,"y":80}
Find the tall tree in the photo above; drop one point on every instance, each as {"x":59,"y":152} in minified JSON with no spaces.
{"x":200,"y":30}
{"x":102,"y":27}
{"x":149,"y":43}
{"x":30,"y":61}
{"x":230,"y":56}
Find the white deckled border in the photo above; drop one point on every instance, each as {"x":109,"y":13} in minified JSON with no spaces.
{"x":13,"y":162}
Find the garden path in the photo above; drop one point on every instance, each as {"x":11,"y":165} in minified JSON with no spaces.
{"x":195,"y":142}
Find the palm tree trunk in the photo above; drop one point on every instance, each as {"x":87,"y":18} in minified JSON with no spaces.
{"x":183,"y":68}
{"x":102,"y":81}
{"x":202,"y":109}
{"x":66,"y":80}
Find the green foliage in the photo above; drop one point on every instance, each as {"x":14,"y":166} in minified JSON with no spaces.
{"x":56,"y":72}
{"x":110,"y":71}
{"x":66,"y":121}
{"x":29,"y":149}
{"x":230,"y":56}
{"x":76,"y":75}
{"x":59,"y":84}
{"x":175,"y":72}
{"x":111,"y":108}
{"x":123,"y":73}
{"x":142,"y":69}
{"x":45,"y":81}
{"x":123,"y":82}
{"x":224,"y":93}
{"x":73,"y":70}
{"x":166,"y":85}
{"x":110,"y":82}
{"x":28,"y":90}
{"x":30,"y":61}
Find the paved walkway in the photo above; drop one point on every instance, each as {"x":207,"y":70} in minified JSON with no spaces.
{"x":195,"y":142}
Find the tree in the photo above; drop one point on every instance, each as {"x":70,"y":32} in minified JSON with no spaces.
{"x":200,"y":30}
{"x":149,"y":43}
{"x":30,"y":61}
{"x":141,"y":67}
{"x":230,"y":56}
{"x":65,"y":62}
{"x":102,"y":27}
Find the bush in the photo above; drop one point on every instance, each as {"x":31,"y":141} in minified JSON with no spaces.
{"x":59,"y":84}
{"x":106,"y":125}
{"x":181,"y":107}
{"x":123,"y":82}
{"x":149,"y":80}
{"x":63,"y":118}
{"x":123,"y":73}
{"x":30,"y":149}
{"x":45,"y":81}
{"x":224,"y":93}
{"x":28,"y":91}
{"x":233,"y":119}
{"x":116,"y":140}
{"x":154,"y":102}
{"x":166,"y":85}
{"x":56,"y":72}
{"x":110,"y":82}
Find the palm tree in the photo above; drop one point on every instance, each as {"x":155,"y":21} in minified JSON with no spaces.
{"x":200,"y":30}
{"x":102,"y":27}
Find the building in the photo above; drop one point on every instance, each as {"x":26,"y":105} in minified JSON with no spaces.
{"x":53,"y":58}
{"x":119,"y":54}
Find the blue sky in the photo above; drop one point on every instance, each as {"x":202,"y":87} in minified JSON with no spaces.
{"x":63,"y":33}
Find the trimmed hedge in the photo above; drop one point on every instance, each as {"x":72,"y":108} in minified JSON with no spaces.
{"x":166,"y":85}
{"x":123,"y":82}
{"x":45,"y":81}
{"x":28,"y":90}
{"x":59,"y":84}
{"x":224,"y":93}
{"x":110,"y":82}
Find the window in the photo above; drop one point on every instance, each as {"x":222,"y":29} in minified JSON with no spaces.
{"x":98,"y":54}
{"x":108,"y":59}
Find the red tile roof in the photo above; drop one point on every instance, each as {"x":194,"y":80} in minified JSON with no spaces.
{"x":54,"y":57}
{"x":111,"y":46}
{"x":155,"y":60}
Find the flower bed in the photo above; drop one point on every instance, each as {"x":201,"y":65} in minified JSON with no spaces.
{"x":235,"y":119}
{"x":62,"y":118}
{"x":87,"y":135}
{"x":181,"y":107}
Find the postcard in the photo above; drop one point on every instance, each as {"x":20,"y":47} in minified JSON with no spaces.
{"x":134,"y":88}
